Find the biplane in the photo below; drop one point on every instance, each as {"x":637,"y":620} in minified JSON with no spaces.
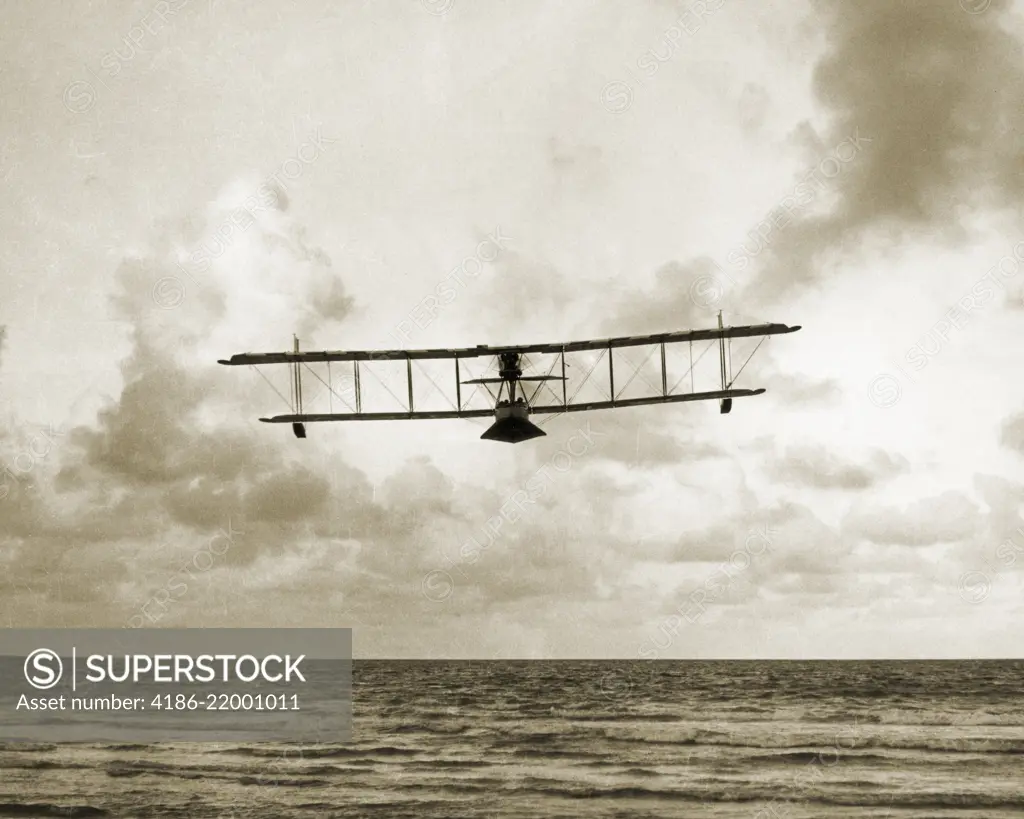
{"x":506,"y":397}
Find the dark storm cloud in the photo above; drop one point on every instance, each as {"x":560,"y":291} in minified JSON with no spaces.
{"x":937,"y":92}
{"x":946,"y":518}
{"x":816,"y":466}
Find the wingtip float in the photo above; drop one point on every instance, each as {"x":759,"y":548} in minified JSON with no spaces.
{"x":512,"y":408}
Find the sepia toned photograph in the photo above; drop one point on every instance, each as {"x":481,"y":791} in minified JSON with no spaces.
{"x":462,"y":409}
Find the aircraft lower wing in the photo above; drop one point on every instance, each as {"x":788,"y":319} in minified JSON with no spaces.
{"x":554,"y":409}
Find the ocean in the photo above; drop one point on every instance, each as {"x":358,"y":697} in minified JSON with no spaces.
{"x":753,"y":739}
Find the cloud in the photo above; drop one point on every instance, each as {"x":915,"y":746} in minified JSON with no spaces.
{"x":1004,"y":499}
{"x":684,"y":295}
{"x":817,"y":467}
{"x":141,"y":489}
{"x":999,"y":529}
{"x":710,"y":544}
{"x":753,"y":106}
{"x":654,"y":436}
{"x":784,"y":548}
{"x":946,"y":518}
{"x":578,"y":167}
{"x":1012,"y":435}
{"x":174,"y":458}
{"x":936,"y":91}
{"x":523,"y":295}
{"x":802,"y":543}
{"x":801,"y":389}
{"x":648,"y":446}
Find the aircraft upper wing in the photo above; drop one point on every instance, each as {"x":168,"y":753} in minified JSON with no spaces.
{"x":745,"y":331}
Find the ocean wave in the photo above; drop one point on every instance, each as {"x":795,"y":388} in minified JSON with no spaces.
{"x":620,"y":716}
{"x":426,"y":728}
{"x":626,"y":792}
{"x":38,"y":809}
{"x":454,"y":764}
{"x":27,"y":747}
{"x":822,"y":757}
{"x":556,"y":753}
{"x":129,"y":747}
{"x":282,"y":782}
{"x":638,"y":772}
{"x":832,"y":743}
{"x":731,"y":793}
{"x":42,"y":765}
{"x":301,"y":752}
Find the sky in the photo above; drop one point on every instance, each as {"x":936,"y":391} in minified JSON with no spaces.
{"x":189,"y":179}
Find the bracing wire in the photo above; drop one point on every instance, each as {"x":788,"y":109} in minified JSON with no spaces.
{"x":762,"y":341}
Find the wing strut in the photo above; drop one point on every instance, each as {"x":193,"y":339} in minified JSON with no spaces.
{"x":358,"y":385}
{"x":725,"y":404}
{"x":611,"y":372}
{"x":297,"y":426}
{"x":565,"y":400}
{"x":458,"y":386}
{"x":664,"y":372}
